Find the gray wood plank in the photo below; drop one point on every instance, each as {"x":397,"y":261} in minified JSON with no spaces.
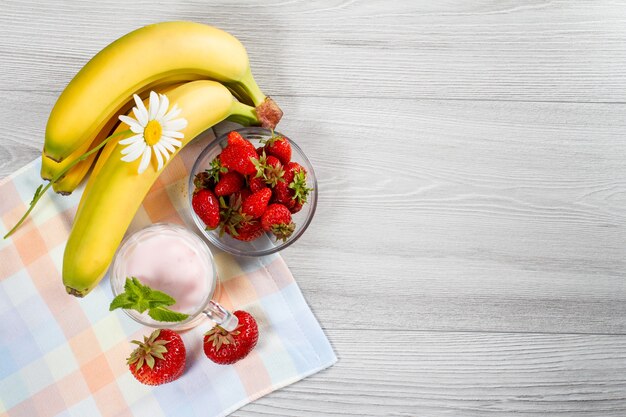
{"x":396,"y":373}
{"x":506,"y":50}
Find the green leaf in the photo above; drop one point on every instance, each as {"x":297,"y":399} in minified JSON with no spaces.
{"x":165,"y":314}
{"x":141,"y":305}
{"x":140,"y":297}
{"x":121,"y":301}
{"x":131,"y":289}
{"x":150,"y":361}
{"x":158,"y":298}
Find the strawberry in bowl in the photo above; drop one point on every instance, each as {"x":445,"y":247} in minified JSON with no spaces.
{"x":252,"y":192}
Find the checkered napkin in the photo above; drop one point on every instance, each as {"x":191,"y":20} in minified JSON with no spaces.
{"x":63,"y":356}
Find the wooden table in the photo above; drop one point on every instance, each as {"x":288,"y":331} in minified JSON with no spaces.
{"x":467,"y":257}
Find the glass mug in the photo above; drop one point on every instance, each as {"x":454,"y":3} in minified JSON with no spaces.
{"x":169,"y":258}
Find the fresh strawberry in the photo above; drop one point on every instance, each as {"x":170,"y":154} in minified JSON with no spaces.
{"x":294,"y":189}
{"x":277,"y":219}
{"x":290,"y":171}
{"x":159,"y":359}
{"x":225,"y":347}
{"x":234,"y":138}
{"x":256,"y":204}
{"x":273,"y":161}
{"x":247,"y":231}
{"x":229,"y":183}
{"x":241,"y":195}
{"x":269,"y":169}
{"x":279,"y":147}
{"x":283,"y":195}
{"x":207,"y":207}
{"x":239,"y":158}
{"x":256,"y":184}
{"x":260,"y":150}
{"x":231,"y":216}
{"x":296,"y":207}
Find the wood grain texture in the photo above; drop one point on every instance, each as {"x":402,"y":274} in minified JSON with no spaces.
{"x":460,"y":374}
{"x":470,"y":158}
{"x":495,"y":50}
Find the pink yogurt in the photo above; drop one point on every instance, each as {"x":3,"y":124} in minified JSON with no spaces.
{"x":170,"y":261}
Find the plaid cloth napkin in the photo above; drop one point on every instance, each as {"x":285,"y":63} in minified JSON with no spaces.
{"x":63,"y":356}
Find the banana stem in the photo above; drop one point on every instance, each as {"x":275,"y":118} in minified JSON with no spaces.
{"x":248,"y":91}
{"x":239,"y":93}
{"x":243,"y":114}
{"x":41,"y":190}
{"x":248,"y":86}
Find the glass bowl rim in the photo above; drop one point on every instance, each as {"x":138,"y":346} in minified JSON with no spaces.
{"x":208,"y":297}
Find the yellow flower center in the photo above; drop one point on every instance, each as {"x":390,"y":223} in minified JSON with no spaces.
{"x":152,"y":132}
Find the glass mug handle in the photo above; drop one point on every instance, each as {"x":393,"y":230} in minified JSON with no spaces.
{"x":222,"y":317}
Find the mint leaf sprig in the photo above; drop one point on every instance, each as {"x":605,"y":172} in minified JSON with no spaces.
{"x":140,"y":297}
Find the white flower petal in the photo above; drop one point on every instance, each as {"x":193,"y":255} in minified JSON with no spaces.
{"x":132,"y":139}
{"x":133,"y":147}
{"x":172,"y":113}
{"x":173,"y":134}
{"x":132,"y":123}
{"x":141,"y":110}
{"x":167,"y":146}
{"x":135,"y":154}
{"x":153,"y":107}
{"x":167,"y":155}
{"x":177,"y":124}
{"x":159,"y":158}
{"x":172,"y":141}
{"x":158,"y":148}
{"x":163,"y":106}
{"x":141,"y":116}
{"x":145,"y":160}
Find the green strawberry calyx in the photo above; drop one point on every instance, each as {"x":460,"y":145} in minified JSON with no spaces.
{"x":218,"y":336}
{"x":147,"y":350}
{"x":300,"y":188}
{"x":272,"y":139}
{"x":271,"y":174}
{"x":216,"y":169}
{"x":232,"y":216}
{"x":283,"y":231}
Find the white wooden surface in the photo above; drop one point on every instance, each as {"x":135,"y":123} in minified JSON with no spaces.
{"x":468,"y":253}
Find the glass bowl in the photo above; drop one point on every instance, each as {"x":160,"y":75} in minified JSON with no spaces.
{"x":267,"y":243}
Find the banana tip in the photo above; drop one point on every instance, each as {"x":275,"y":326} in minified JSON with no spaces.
{"x":75,"y":292}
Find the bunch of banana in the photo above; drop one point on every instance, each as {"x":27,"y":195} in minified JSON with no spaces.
{"x":203,"y":70}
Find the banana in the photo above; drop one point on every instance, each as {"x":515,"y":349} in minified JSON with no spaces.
{"x":72,"y":179}
{"x":171,"y":50}
{"x":115,"y":190}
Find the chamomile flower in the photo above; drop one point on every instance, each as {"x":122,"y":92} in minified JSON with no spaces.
{"x":156,"y":130}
